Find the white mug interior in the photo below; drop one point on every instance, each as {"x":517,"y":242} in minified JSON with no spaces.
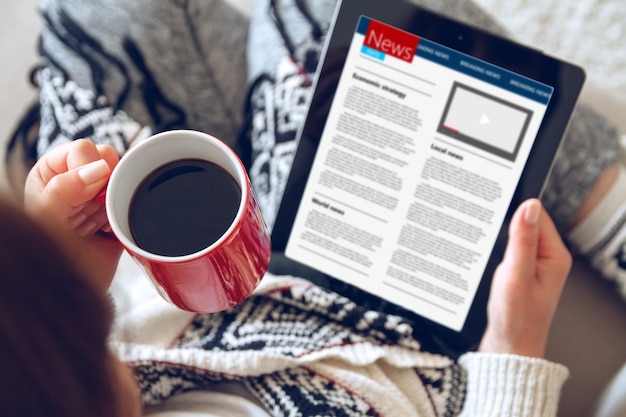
{"x":153,"y":153}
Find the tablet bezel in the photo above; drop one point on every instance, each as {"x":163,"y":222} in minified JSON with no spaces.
{"x":565,"y":78}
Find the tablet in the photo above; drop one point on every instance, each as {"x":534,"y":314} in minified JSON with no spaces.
{"x":422,"y":137}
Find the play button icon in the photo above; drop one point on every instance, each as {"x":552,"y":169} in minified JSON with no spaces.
{"x":484,"y":120}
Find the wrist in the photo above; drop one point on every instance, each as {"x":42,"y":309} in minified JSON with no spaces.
{"x":527,"y":343}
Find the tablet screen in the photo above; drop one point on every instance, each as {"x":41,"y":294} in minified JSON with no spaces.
{"x":414,"y":172}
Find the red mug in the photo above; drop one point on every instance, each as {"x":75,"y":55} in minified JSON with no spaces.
{"x":219,"y":275}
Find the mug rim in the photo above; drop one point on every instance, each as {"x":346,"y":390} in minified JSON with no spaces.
{"x":154,"y":140}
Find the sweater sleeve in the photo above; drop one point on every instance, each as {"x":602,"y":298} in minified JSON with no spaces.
{"x":511,"y":385}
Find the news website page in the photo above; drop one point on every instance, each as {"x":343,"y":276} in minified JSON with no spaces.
{"x":417,"y":163}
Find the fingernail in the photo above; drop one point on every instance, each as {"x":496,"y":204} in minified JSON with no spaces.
{"x":87,"y":229}
{"x":533,"y":210}
{"x":77,"y":210}
{"x":94,"y":172}
{"x":77,"y":220}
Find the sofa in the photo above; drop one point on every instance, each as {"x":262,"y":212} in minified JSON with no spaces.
{"x":588,"y":333}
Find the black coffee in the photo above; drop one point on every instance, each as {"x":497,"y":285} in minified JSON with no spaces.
{"x":182,"y":207}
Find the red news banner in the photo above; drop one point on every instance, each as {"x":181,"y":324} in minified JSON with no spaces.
{"x":389,"y":40}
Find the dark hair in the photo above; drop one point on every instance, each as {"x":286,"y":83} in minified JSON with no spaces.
{"x":54,"y":359}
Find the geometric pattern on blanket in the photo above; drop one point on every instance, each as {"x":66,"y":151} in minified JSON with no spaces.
{"x":277,"y":108}
{"x":69,"y":112}
{"x":292,"y":323}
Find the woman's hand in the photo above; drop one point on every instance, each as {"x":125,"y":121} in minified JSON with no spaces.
{"x":527,"y":285}
{"x":59,"y":193}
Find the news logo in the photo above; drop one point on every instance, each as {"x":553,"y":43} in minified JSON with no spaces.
{"x":391,"y":41}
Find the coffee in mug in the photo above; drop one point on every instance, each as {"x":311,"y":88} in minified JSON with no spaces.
{"x":196,"y":199}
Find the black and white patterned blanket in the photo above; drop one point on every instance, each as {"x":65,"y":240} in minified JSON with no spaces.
{"x":305,"y":351}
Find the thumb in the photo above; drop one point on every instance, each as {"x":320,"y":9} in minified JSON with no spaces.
{"x":71,"y":189}
{"x":521,"y":250}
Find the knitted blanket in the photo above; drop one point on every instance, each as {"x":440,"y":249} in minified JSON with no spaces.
{"x":588,"y":32}
{"x":300,"y":349}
